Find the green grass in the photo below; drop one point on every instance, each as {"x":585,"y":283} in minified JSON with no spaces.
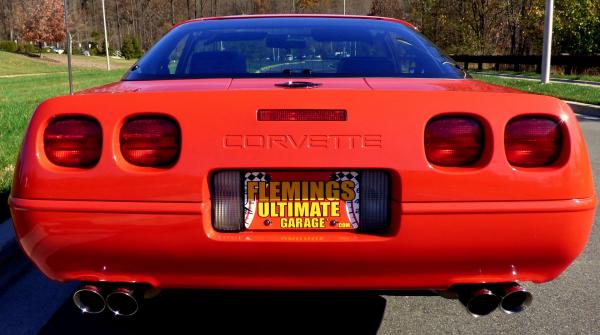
{"x":585,"y":94}
{"x":98,"y":62}
{"x":20,"y":96}
{"x":582,"y":77}
{"x":13,"y":64}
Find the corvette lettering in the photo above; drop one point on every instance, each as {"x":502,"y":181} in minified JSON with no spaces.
{"x":303,"y":141}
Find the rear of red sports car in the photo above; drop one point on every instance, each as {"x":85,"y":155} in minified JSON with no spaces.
{"x":302,"y":153}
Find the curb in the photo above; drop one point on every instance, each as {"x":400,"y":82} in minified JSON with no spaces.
{"x":584,"y":109}
{"x":552,"y":80}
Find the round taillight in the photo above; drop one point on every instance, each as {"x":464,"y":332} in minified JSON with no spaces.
{"x":73,"y":141}
{"x":151,"y":141}
{"x":454,"y":141}
{"x":533,"y":141}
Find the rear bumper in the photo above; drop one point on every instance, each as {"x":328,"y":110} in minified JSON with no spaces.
{"x":429,"y":246}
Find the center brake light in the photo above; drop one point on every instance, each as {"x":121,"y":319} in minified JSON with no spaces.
{"x":301,"y":115}
{"x":150,"y":141}
{"x":73,"y":141}
{"x":454,"y":140}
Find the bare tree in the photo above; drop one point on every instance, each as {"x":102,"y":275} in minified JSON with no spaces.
{"x":198,"y":11}
{"x":172,"y":12}
{"x":458,"y":26}
{"x":389,"y":8}
{"x":7,"y":12}
{"x":118,"y":17}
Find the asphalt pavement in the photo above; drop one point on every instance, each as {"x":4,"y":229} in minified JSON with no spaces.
{"x":31,"y":304}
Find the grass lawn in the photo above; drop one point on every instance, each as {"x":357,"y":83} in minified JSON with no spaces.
{"x":13,"y":64}
{"x":90,"y":62}
{"x":582,"y":77}
{"x":19,"y":96}
{"x":585,"y":94}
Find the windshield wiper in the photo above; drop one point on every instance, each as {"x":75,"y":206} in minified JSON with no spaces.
{"x":298,"y":84}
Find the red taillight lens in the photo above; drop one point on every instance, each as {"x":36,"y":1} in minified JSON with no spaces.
{"x":301,"y":115}
{"x":73,"y":141}
{"x":150,"y":141}
{"x":453,"y":141}
{"x":533,"y":141}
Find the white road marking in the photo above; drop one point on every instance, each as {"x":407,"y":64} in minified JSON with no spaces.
{"x":587,"y":117}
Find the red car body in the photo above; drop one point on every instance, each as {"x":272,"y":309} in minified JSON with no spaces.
{"x":489,"y":222}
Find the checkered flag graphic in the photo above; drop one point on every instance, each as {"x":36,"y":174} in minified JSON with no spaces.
{"x":250,"y":204}
{"x":256,"y":176}
{"x":352,"y":207}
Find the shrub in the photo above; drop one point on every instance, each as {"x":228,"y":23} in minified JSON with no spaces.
{"x":28,"y":49}
{"x":9,"y":46}
{"x":93,"y":48}
{"x":75,"y":50}
{"x":131,"y":48}
{"x":127,"y":48}
{"x":102,"y":49}
{"x":137,"y":48}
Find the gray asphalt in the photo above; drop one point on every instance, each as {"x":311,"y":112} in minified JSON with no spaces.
{"x":32,"y":304}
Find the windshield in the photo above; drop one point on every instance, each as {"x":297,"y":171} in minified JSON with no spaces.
{"x":293,"y":47}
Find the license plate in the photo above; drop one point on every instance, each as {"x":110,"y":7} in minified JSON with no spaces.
{"x":292,"y":200}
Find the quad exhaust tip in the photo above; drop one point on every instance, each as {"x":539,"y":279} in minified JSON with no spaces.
{"x":122,"y":302}
{"x":89,"y":299}
{"x":481,"y":300}
{"x":515,"y":298}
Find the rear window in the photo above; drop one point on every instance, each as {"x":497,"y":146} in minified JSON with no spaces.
{"x":293,"y":47}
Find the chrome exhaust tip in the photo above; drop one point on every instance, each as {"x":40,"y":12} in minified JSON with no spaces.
{"x":89,"y":299}
{"x":479,"y":301}
{"x":515,"y":298}
{"x":122,"y":302}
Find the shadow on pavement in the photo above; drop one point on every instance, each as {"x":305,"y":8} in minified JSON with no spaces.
{"x":4,"y":212}
{"x":586,"y":110}
{"x":186,"y":311}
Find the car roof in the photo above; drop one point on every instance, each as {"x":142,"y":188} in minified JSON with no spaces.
{"x":270,"y":16}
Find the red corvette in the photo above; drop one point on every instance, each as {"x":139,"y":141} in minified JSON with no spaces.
{"x":302,"y":153}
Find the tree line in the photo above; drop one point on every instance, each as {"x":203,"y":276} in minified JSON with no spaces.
{"x":502,"y":27}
